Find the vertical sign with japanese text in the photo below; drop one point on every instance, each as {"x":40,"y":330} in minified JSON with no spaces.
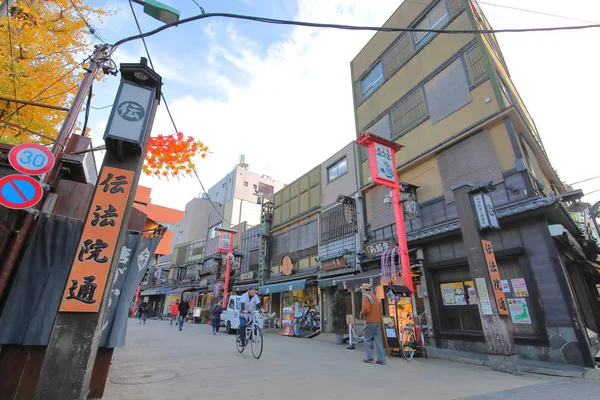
{"x":98,"y":242}
{"x":496,"y":281}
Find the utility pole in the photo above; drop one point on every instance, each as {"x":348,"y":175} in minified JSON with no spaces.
{"x":71,"y":352}
{"x":100,"y":56}
{"x":499,"y":341}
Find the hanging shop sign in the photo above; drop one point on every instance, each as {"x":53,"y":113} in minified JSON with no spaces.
{"x":333,"y":264}
{"x":226,"y":236}
{"x":287,"y":266}
{"x":495,"y":279}
{"x":376,"y":249}
{"x":246,"y":276}
{"x":85,"y":286}
{"x":485,"y":211}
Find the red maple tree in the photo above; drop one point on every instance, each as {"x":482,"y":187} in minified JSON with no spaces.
{"x":172,"y":155}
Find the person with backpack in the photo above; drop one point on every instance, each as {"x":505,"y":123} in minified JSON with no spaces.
{"x":371,"y":311}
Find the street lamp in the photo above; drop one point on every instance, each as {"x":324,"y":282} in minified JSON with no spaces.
{"x":159,"y":11}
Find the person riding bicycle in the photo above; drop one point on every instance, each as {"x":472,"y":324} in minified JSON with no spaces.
{"x":249,"y":303}
{"x":143,"y":310}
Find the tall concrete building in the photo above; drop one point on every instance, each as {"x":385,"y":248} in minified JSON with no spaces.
{"x":450,"y":100}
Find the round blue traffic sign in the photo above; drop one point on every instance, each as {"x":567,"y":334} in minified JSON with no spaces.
{"x":31,"y":159}
{"x":20,"y":191}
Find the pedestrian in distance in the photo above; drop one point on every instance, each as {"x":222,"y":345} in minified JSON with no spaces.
{"x":174,"y":312}
{"x":184,"y":307}
{"x":215,"y":319}
{"x":371,"y":311}
{"x":143,"y":312}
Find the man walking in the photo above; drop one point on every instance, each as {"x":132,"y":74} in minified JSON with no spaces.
{"x":174,"y":312}
{"x":184,"y":307}
{"x":215,"y":320}
{"x":371,"y":310}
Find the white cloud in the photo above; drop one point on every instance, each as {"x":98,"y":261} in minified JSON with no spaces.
{"x":293,"y":108}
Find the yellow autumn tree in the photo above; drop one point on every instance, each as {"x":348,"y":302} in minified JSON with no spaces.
{"x":42,"y":44}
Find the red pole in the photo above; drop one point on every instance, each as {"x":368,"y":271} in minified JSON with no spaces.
{"x":399,"y":214}
{"x":226,"y":287}
{"x":137,"y":296}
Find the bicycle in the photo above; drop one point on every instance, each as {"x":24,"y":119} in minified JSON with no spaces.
{"x":254,"y":336}
{"x":410,"y":343}
{"x":309,"y":321}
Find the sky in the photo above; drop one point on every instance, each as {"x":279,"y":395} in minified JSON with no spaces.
{"x":283,"y":95}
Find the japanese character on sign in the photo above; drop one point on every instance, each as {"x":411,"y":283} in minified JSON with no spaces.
{"x":497,"y":284}
{"x":502,"y":304}
{"x":107,"y":218}
{"x":488,"y":248}
{"x":131,"y":111}
{"x":93,"y":250}
{"x":492,"y":265}
{"x":115,"y":186}
{"x":86,"y":291}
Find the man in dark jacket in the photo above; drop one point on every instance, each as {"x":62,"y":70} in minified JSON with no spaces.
{"x":184,"y":307}
{"x":215,"y":320}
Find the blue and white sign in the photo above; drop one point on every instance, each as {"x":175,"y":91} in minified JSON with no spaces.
{"x":31,"y":159}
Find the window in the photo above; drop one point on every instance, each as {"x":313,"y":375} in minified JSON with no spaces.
{"x":474,"y":64}
{"x":447,"y":92}
{"x":338,"y":169}
{"x":212,"y":233}
{"x":180,"y":273}
{"x":410,"y":112}
{"x":372,"y":80}
{"x":245,"y":184}
{"x":381,"y":128}
{"x":435,"y":18}
{"x":254,"y":187}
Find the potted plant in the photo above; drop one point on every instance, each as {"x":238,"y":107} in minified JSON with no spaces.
{"x":338,"y":315}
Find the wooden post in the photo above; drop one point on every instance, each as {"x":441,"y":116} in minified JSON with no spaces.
{"x":501,"y":348}
{"x":71,"y":352}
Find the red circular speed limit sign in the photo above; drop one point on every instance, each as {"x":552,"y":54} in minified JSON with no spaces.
{"x":31,"y":159}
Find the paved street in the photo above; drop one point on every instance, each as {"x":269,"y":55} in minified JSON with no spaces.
{"x":159,"y":362}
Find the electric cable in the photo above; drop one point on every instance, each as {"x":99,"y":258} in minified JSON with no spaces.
{"x":345,"y":27}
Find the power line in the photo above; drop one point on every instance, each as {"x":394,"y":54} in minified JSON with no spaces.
{"x":345,"y":27}
{"x":169,"y":111}
{"x":101,"y":108}
{"x":537,"y":12}
{"x":92,"y":30}
{"x":593,"y":191}
{"x":585,"y":180}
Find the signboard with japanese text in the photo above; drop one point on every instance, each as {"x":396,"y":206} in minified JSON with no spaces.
{"x":484,"y":296}
{"x":485,"y":211}
{"x":376,"y":249}
{"x":519,"y":312}
{"x":382,"y":159}
{"x":98,"y":242}
{"x":495,"y":280}
{"x":333,"y":264}
{"x":225,"y":244}
{"x":129,"y":115}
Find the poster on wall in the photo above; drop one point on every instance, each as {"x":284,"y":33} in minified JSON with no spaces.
{"x":519,"y":312}
{"x":459,"y":296}
{"x":453,"y":294}
{"x":484,"y":296}
{"x":471,"y":293}
{"x":520,"y":287}
{"x":505,"y":286}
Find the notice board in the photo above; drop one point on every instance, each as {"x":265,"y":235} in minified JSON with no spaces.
{"x":389,"y":330}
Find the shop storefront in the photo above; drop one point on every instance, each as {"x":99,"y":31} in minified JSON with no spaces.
{"x":289,"y":300}
{"x":155,"y":297}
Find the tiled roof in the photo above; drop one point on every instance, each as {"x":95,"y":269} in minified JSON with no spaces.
{"x":502,"y":212}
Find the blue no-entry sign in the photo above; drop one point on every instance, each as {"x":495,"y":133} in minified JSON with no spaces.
{"x":19,"y":191}
{"x":31,"y":159}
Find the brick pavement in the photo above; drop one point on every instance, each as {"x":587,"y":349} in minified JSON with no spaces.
{"x":159,"y":362}
{"x":563,"y":389}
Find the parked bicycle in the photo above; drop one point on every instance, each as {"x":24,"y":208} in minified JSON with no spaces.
{"x":412,"y":342}
{"x":310,"y":321}
{"x":254,"y":336}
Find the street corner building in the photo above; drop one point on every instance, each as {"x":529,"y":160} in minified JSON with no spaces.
{"x":450,"y":101}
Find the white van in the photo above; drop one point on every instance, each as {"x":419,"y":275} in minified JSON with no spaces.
{"x":230,"y":318}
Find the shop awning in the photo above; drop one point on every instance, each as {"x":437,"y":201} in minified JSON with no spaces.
{"x":179,"y":291}
{"x":354,"y":281}
{"x":159,"y":291}
{"x":282,"y":287}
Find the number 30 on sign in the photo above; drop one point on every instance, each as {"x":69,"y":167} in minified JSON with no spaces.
{"x":31,"y":159}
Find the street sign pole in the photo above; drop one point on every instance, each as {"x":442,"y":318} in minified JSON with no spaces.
{"x":71,"y":351}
